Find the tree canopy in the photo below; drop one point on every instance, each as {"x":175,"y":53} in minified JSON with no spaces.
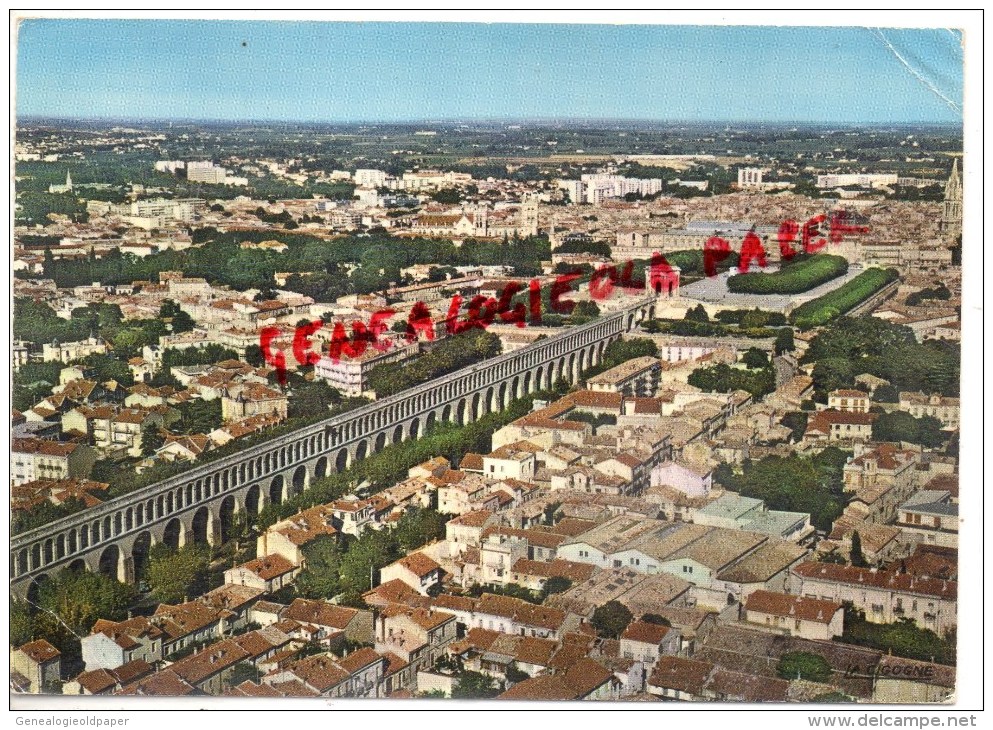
{"x":611,"y":619}
{"x":803,"y":665}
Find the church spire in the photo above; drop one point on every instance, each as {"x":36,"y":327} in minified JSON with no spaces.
{"x":951,"y":214}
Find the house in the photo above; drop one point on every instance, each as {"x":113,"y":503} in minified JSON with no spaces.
{"x":236,"y":601}
{"x":466,"y":530}
{"x":354,"y":623}
{"x":108,"y":681}
{"x":119,"y":431}
{"x":268,"y":573}
{"x":38,"y":665}
{"x":764,"y":569}
{"x":690,"y":479}
{"x":931,"y":514}
{"x":160,"y":684}
{"x":809,"y":618}
{"x":30,"y":495}
{"x":584,"y":680}
{"x":534,"y":574}
{"x":943,"y":408}
{"x":352,"y":516}
{"x":646,"y":642}
{"x":112,"y":644}
{"x":638,"y":377}
{"x":677,"y":678}
{"x":417,"y":570}
{"x":356,"y":675}
{"x":885,"y":465}
{"x":511,"y":461}
{"x":417,"y":636}
{"x":35,"y":458}
{"x":515,"y":616}
{"x":884,"y":597}
{"x":909,"y":682}
{"x":849,"y":401}
{"x":839,"y":426}
{"x":244,"y":400}
{"x":189,"y":624}
{"x":182,"y":447}
{"x":289,"y":537}
{"x":209,"y":669}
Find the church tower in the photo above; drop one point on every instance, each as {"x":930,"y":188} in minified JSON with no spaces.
{"x":529,"y":216}
{"x":68,"y":181}
{"x":951,"y":216}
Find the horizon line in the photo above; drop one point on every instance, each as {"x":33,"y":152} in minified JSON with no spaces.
{"x":482,"y":120}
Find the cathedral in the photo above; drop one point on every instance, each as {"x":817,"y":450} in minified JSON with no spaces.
{"x":59,"y":189}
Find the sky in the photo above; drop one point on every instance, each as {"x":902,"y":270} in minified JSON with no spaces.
{"x":392,"y":72}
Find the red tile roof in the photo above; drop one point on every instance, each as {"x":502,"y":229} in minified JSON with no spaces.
{"x":904,"y":582}
{"x":795,"y":607}
{"x":645,"y":633}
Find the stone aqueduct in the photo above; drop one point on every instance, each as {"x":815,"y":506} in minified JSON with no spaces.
{"x":199,"y":505}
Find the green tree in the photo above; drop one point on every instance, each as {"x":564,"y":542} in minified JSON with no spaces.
{"x":654,"y":618}
{"x":176,"y":576}
{"x":724,"y":475}
{"x":179,"y":320}
{"x":515,"y":675}
{"x":474,"y":686}
{"x":803,"y":665}
{"x":549,"y":512}
{"x":69,"y":605}
{"x":784,"y":341}
{"x":902,"y":638}
{"x":697,"y":314}
{"x":900,"y":426}
{"x":152,"y":439}
{"x":856,"y":557}
{"x":21,"y":622}
{"x":199,"y":416}
{"x":886,"y":394}
{"x":254,"y":356}
{"x":321,"y":574}
{"x":796,"y":421}
{"x":611,"y":619}
{"x":556,"y":584}
{"x":832,"y":374}
{"x":584,"y":312}
{"x":754,"y":358}
{"x":797,"y":484}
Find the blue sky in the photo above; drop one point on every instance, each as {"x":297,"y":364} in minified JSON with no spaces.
{"x":342,"y":72}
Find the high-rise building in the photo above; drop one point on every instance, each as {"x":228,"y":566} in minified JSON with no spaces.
{"x":749,"y":177}
{"x":205,"y":172}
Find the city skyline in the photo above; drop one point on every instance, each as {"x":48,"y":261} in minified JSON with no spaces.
{"x":389,"y":73}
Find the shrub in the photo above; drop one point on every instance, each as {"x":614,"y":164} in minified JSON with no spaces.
{"x":795,"y":278}
{"x":846,"y":297}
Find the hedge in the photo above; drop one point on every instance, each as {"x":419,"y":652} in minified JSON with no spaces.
{"x":794,"y":278}
{"x":843,"y":299}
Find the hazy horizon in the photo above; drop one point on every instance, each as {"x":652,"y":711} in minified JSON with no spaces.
{"x":408,"y":73}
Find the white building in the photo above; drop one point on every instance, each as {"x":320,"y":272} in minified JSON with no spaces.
{"x":349,"y":374}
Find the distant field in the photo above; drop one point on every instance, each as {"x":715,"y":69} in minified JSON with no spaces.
{"x":843,"y":299}
{"x":537,"y":159}
{"x":793,"y":278}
